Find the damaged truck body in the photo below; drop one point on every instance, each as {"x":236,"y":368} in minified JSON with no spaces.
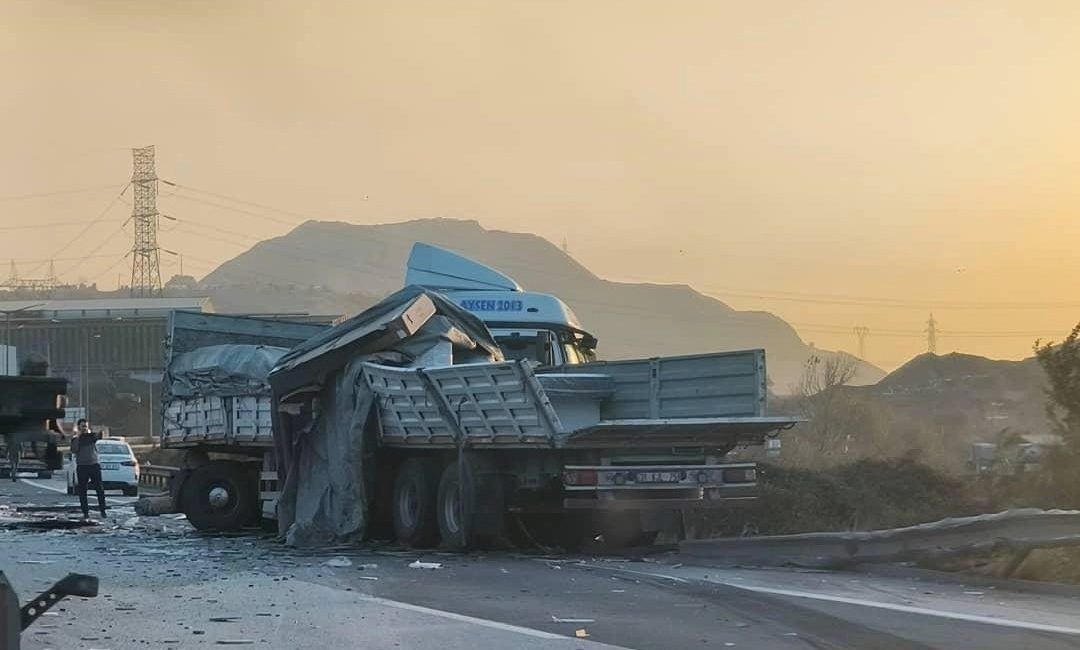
{"x":458,"y":409}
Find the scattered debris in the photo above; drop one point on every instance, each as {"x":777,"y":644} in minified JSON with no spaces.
{"x":425,"y":565}
{"x":224,"y":619}
{"x":368,"y":578}
{"x":556,"y":619}
{"x":366,"y":565}
{"x":581,"y":633}
{"x":339,"y":562}
{"x":235,"y":642}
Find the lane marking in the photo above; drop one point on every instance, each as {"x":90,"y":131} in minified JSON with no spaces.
{"x":462,"y":618}
{"x":63,"y":490}
{"x":910,"y":609}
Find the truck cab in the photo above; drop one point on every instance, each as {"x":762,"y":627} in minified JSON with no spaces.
{"x":526,"y":325}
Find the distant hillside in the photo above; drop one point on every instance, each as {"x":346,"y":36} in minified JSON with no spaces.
{"x":967,"y":396}
{"x":333,"y":266}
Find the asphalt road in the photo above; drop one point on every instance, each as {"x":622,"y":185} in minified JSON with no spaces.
{"x":162,"y":584}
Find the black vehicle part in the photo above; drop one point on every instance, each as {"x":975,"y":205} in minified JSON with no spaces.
{"x":414,"y":503}
{"x":220,"y":495}
{"x":471,"y":503}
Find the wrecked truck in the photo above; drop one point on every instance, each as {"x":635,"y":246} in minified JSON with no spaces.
{"x":463,"y":408}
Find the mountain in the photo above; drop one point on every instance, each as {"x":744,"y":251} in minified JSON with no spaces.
{"x":965,"y":396}
{"x":338,"y":267}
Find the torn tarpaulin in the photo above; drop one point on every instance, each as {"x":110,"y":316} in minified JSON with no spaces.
{"x":221,"y":370}
{"x":324,"y":427}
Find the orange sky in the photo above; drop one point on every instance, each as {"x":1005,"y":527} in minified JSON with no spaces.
{"x":788,"y":156}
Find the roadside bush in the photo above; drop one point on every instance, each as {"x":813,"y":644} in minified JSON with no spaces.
{"x":864,"y":495}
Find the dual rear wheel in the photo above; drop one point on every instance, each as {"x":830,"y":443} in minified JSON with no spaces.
{"x":457,"y":506}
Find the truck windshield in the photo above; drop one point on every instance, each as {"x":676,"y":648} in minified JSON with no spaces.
{"x":534,"y":346}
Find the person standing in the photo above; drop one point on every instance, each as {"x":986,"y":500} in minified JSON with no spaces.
{"x":87,"y":466}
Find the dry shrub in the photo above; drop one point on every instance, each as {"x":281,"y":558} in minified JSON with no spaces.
{"x":864,"y":495}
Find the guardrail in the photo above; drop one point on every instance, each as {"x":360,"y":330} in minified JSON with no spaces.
{"x":157,"y":476}
{"x":1017,"y":531}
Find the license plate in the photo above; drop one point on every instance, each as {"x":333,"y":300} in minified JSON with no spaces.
{"x":657,"y":477}
{"x":110,"y":466}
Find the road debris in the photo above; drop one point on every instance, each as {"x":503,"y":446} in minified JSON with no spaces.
{"x":235,"y":642}
{"x":425,"y":565}
{"x":556,"y":619}
{"x":581,"y":633}
{"x":224,"y":619}
{"x":339,"y":562}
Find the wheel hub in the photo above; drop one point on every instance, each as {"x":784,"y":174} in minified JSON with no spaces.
{"x":218,"y":497}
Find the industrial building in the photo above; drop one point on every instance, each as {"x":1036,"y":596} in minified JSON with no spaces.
{"x":111,"y":351}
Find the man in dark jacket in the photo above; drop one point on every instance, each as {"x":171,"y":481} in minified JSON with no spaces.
{"x":87,"y":465}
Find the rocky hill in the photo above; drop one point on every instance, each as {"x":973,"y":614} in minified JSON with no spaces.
{"x":337,"y":267}
{"x":966,"y":396}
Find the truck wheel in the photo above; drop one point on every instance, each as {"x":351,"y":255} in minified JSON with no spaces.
{"x":413,"y":503}
{"x":480,"y":513}
{"x":220,"y":495}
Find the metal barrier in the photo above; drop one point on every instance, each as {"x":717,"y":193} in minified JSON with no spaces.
{"x":157,"y":476}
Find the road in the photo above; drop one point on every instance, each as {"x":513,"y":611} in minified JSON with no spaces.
{"x":162,"y":584}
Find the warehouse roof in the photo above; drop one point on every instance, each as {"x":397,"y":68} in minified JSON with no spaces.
{"x":102,"y":307}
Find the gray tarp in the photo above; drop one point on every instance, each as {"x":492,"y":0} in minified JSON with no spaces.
{"x":222,"y":370}
{"x":326,"y":453}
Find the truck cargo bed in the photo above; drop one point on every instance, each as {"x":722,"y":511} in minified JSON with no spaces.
{"x":694,"y":401}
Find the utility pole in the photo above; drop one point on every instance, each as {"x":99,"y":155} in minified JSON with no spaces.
{"x":931,"y":335}
{"x":145,"y":262}
{"x":861,"y":332}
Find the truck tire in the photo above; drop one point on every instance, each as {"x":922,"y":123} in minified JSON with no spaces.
{"x":481,"y":513}
{"x":220,"y":495}
{"x":413,"y":503}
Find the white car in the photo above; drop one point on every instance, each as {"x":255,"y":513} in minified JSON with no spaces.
{"x":119,"y":468}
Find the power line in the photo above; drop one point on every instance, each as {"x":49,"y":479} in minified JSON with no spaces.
{"x":50,"y":224}
{"x":98,"y":219}
{"x":884,"y":302}
{"x":40,"y":195}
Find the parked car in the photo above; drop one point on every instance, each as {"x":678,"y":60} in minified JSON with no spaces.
{"x":119,"y":468}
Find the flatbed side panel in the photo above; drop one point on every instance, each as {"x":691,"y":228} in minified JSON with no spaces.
{"x":728,"y":384}
{"x":686,"y":432}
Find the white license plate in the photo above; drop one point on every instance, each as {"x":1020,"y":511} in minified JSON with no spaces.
{"x":657,"y":477}
{"x":110,"y":466}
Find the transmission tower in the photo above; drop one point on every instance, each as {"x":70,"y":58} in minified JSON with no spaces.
{"x":145,"y":268}
{"x":861,"y":332}
{"x":931,"y":335}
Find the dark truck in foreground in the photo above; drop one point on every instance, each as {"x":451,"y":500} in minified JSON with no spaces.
{"x":30,"y":408}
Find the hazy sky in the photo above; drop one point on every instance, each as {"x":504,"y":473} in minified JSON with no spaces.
{"x":815,"y":159}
